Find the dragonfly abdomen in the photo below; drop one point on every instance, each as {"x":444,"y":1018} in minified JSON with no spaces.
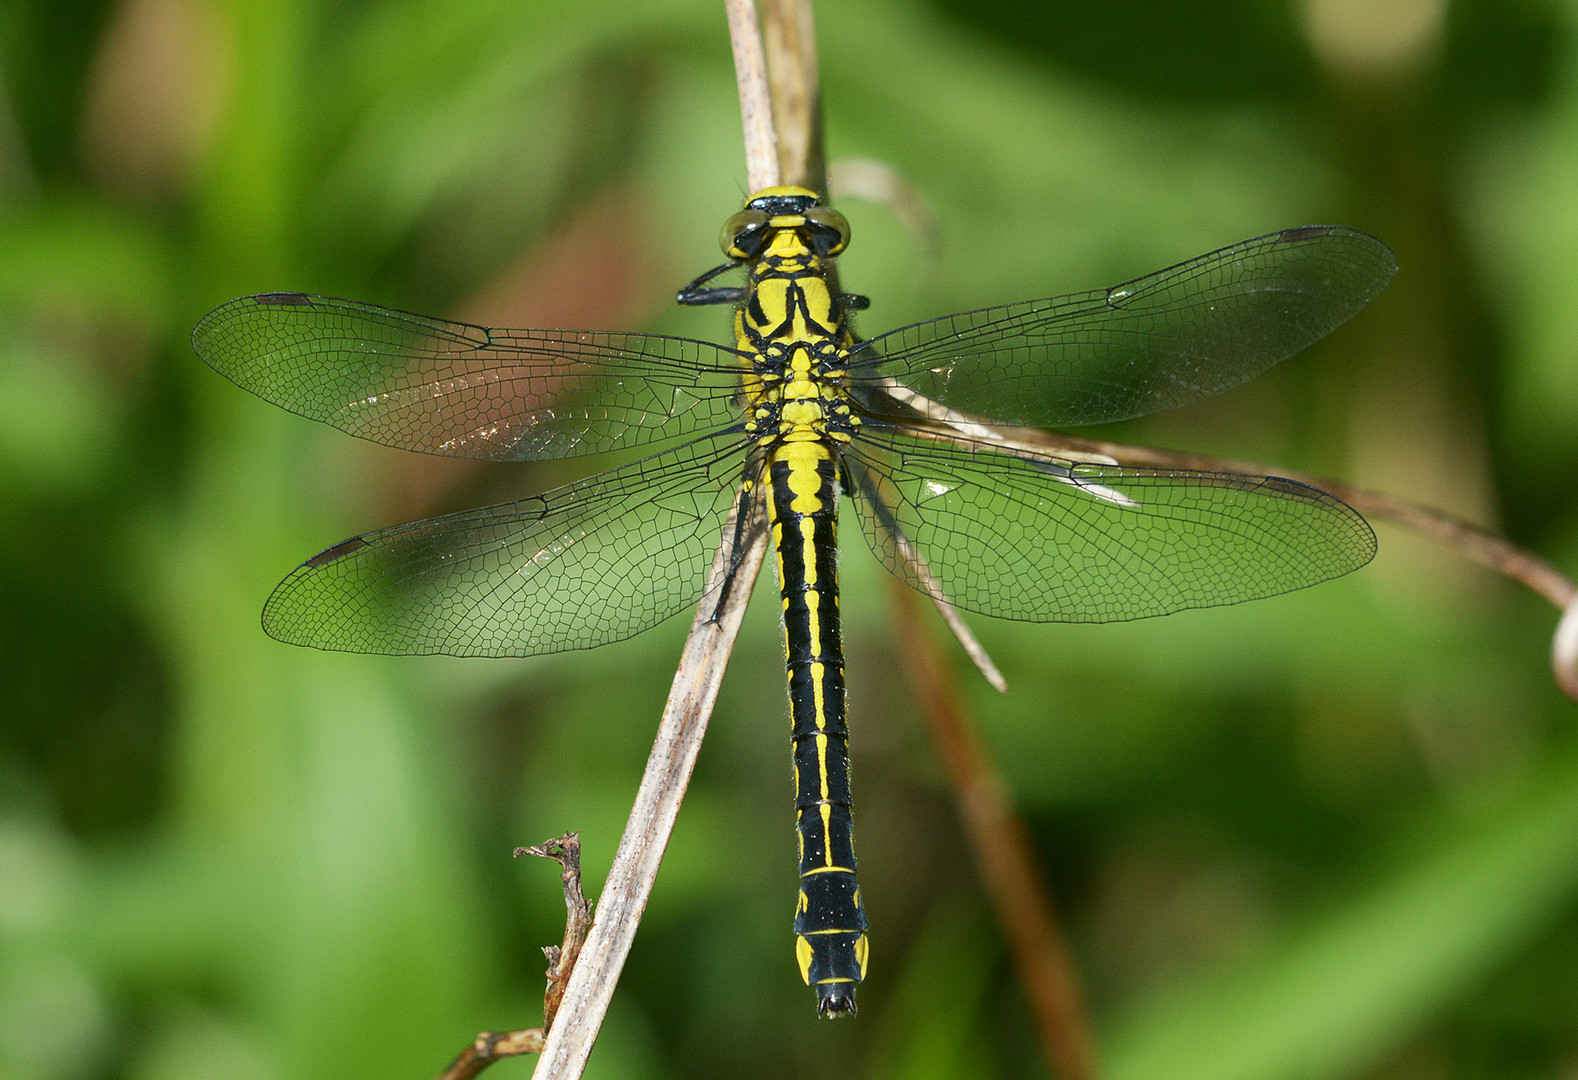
{"x":830,"y":922}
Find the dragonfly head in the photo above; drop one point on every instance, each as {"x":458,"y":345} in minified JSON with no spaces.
{"x":773,"y":209}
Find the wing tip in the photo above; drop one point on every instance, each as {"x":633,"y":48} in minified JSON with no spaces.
{"x":1385,"y":258}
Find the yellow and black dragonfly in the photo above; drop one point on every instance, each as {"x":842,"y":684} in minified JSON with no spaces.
{"x":797,"y":412}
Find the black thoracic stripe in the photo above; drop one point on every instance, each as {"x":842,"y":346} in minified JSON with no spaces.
{"x":795,"y":301}
{"x":753,"y":309}
{"x":830,"y":920}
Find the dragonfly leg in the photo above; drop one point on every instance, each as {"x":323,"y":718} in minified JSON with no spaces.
{"x":698,"y":297}
{"x":744,"y":512}
{"x":694,"y":295}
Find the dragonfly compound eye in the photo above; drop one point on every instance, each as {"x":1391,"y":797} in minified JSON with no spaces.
{"x":829,"y":230}
{"x":743,"y":234}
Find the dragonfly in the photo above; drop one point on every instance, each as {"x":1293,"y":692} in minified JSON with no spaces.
{"x":795,"y":415}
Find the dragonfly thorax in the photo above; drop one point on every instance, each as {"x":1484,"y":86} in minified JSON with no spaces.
{"x":794,"y":336}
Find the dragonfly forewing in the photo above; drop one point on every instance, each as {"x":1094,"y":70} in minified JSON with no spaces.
{"x":459,"y":390}
{"x":1159,"y":342}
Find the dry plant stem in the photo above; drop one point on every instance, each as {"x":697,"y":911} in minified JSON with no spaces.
{"x":1470,"y":541}
{"x":630,"y":880}
{"x":1487,"y":549}
{"x":695,"y":688}
{"x":789,"y":40}
{"x":566,"y":851}
{"x":756,"y":113}
{"x":1003,"y":853}
{"x":974,"y":651}
{"x":489,"y":1046}
{"x":1564,"y":651}
{"x":878,"y":182}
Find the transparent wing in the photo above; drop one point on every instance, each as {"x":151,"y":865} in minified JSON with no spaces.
{"x":1159,"y":342}
{"x":467,"y":391}
{"x":583,"y":565}
{"x":1044,"y":540}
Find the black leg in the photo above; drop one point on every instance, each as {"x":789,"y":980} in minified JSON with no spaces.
{"x":694,"y":294}
{"x":742,"y":522}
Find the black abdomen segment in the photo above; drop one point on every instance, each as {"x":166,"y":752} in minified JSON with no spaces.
{"x":830,"y":922}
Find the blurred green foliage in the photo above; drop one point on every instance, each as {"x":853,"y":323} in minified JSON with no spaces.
{"x":1333,"y":834}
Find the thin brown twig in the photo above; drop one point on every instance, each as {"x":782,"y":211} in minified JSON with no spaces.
{"x":878,"y":182}
{"x":998,"y":839}
{"x":566,"y":850}
{"x":962,"y":634}
{"x":1004,"y":855}
{"x":490,"y":1046}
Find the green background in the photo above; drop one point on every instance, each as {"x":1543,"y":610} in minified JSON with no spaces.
{"x":1333,"y":834}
